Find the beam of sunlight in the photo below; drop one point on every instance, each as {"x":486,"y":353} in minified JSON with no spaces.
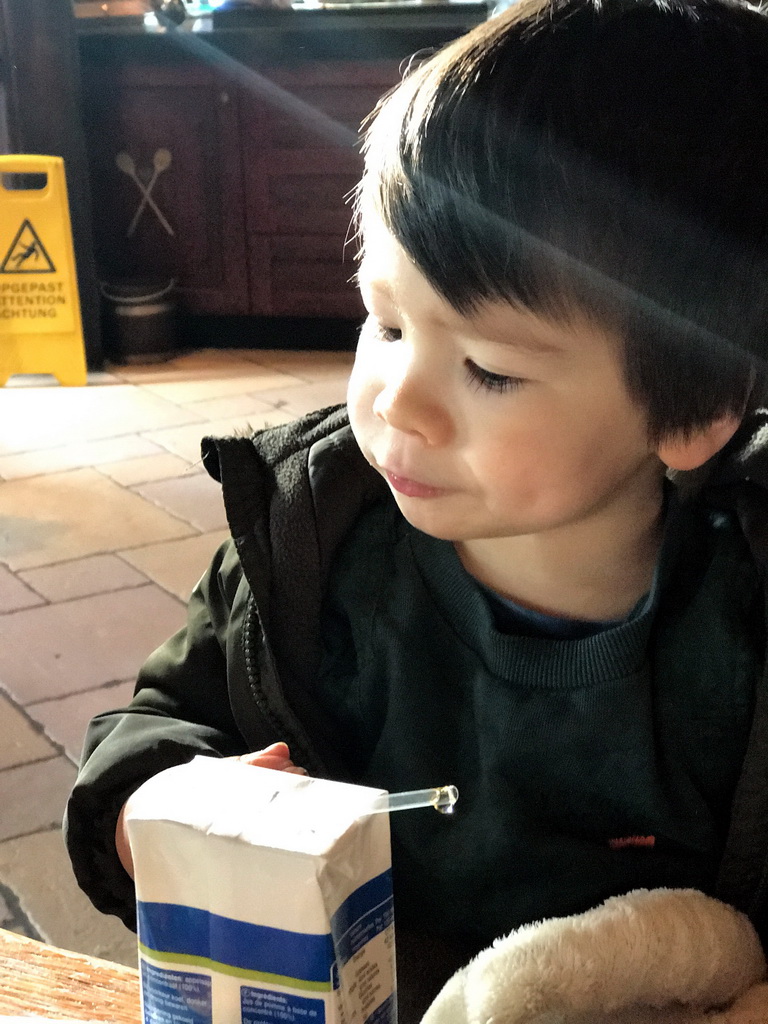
{"x":318,"y":122}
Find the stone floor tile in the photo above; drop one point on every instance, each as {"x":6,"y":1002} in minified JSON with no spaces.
{"x":73,"y":456}
{"x":64,"y":516}
{"x":14,"y":594}
{"x":177,"y":565}
{"x":95,"y":574}
{"x":141,"y":471}
{"x":185,"y":441}
{"x":307,"y":366}
{"x":78,"y":645}
{"x":300,"y":400}
{"x":186,"y":366}
{"x":211,"y":357}
{"x":33,"y":796}
{"x":46,"y":417}
{"x":20,"y":741}
{"x":195,"y":498}
{"x":240,"y":406}
{"x":38,"y":870}
{"x":197,"y":384}
{"x":65,"y":719}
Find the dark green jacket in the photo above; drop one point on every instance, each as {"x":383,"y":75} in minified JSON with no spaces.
{"x":239,"y":676}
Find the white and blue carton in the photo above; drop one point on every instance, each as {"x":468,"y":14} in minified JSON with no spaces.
{"x":263,"y":897}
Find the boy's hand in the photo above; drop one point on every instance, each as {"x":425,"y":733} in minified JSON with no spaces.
{"x":276,"y":756}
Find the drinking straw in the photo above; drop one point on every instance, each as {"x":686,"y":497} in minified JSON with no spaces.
{"x":442,"y":798}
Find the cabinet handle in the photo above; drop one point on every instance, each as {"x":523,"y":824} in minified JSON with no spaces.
{"x":224,"y":97}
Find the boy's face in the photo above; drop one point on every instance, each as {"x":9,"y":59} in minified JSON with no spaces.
{"x":495,"y":425}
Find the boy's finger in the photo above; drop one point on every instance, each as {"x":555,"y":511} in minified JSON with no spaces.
{"x":279,"y":749}
{"x":267,"y":761}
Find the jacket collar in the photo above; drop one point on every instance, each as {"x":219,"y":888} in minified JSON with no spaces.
{"x":736,"y":480}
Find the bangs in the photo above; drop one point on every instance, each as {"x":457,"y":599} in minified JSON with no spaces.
{"x":565,"y":164}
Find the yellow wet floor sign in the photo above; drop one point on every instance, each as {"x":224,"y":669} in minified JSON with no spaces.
{"x":40,"y":324}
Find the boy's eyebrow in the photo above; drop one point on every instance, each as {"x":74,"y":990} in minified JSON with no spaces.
{"x":527,"y":342}
{"x":372,"y":284}
{"x":529,"y":338}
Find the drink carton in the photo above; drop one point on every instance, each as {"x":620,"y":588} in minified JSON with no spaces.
{"x":263,"y":898}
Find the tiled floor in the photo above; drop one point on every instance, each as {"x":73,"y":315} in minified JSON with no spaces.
{"x":107,"y":519}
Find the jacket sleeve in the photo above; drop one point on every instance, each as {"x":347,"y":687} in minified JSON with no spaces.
{"x":180,"y":709}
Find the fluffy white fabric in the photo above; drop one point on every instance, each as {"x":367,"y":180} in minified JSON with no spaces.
{"x":661,"y":956}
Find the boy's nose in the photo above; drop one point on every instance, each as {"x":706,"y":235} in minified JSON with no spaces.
{"x":410,"y":406}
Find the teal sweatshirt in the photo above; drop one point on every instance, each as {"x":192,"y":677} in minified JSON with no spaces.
{"x":585,"y":768}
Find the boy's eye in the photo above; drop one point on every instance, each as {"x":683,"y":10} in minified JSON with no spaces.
{"x":388,"y":333}
{"x":491,"y":381}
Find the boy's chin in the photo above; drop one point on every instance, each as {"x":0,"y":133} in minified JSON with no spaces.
{"x":432,"y":524}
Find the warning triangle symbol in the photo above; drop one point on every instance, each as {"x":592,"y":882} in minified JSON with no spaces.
{"x":27,"y":254}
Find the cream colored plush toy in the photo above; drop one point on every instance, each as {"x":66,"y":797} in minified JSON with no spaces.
{"x":661,"y":956}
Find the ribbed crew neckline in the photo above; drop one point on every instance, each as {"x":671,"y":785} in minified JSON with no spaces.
{"x":609,"y":656}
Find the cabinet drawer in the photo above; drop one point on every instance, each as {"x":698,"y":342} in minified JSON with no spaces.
{"x":305,"y":193}
{"x":309,"y":275}
{"x":315,"y":203}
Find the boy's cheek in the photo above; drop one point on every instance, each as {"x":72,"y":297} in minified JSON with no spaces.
{"x":362,"y":388}
{"x":358,"y":417}
{"x":361,"y":416}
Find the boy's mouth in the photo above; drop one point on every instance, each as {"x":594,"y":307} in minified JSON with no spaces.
{"x":411,"y":488}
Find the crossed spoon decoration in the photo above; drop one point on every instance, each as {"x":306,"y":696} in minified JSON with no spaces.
{"x":161,"y":161}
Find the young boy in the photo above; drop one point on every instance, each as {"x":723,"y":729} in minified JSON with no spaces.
{"x":530,"y":561}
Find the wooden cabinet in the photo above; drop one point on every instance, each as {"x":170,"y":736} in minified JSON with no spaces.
{"x":167,"y":183}
{"x":238,"y":188}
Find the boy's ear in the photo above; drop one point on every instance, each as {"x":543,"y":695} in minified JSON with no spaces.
{"x":689,"y":452}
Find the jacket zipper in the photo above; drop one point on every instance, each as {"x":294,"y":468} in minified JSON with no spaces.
{"x":254,"y":637}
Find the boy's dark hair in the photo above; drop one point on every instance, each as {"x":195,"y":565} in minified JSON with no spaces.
{"x":604,"y":156}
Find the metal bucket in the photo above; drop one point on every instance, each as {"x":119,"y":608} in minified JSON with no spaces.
{"x":140,"y":321}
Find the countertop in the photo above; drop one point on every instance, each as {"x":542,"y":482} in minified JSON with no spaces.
{"x":312,"y":15}
{"x":364,"y":30}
